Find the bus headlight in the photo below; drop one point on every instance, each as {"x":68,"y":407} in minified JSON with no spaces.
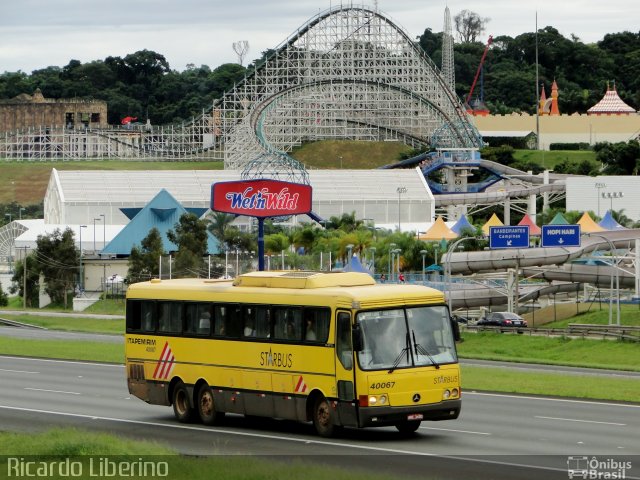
{"x":373,"y":400}
{"x":446,"y":394}
{"x":455,"y":392}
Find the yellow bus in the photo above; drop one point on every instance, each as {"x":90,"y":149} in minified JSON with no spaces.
{"x":333,"y":348}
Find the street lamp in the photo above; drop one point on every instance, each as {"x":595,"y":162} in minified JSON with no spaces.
{"x":397,"y":268}
{"x":611,"y":196}
{"x":391,"y":247}
{"x":22,"y":209}
{"x":104,"y":230}
{"x":423,"y":253}
{"x":599,"y":186}
{"x":400,"y":191}
{"x":94,"y":234}
{"x":81,"y":282}
{"x":11,"y":245}
{"x":613,"y":265}
{"x":349,"y":249}
{"x":373,"y":259}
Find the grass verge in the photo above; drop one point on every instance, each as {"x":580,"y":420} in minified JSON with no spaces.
{"x":614,"y":355}
{"x":72,"y":324}
{"x":504,"y":380}
{"x":65,"y":350}
{"x":81,"y":446}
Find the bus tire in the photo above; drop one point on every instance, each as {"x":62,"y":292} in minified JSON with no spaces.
{"x":322,"y":420}
{"x":408,"y":427}
{"x":206,"y":406}
{"x":181,"y":406}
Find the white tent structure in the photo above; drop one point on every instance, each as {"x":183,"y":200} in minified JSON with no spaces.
{"x":77,"y":197}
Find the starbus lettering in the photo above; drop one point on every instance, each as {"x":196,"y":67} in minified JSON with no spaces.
{"x":263,"y":199}
{"x":271,"y":359}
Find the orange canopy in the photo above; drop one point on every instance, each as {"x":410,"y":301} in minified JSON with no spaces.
{"x":438,"y":231}
{"x":494,"y":221}
{"x":587,"y":225}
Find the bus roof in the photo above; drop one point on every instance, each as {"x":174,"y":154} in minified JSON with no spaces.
{"x":278,"y":287}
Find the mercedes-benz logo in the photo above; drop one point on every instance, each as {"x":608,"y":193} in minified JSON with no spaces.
{"x":416,"y":397}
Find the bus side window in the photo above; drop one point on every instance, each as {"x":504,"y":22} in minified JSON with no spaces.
{"x":233,"y":324}
{"x":344,"y":350}
{"x":148,"y":320}
{"x":220,"y":318}
{"x":170,"y":317}
{"x":204,"y":319}
{"x":191,"y":318}
{"x":316,"y":324}
{"x":134,"y":316}
{"x":288,"y":324}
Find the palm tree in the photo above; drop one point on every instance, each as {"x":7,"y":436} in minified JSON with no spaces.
{"x":218,"y":223}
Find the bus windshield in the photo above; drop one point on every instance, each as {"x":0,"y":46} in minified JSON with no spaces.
{"x":406,"y":337}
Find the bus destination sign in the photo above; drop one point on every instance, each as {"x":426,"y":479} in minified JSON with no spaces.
{"x":261,"y":198}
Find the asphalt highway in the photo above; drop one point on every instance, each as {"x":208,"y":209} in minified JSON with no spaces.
{"x":497,"y":436}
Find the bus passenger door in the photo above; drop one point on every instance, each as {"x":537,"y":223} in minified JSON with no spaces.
{"x":344,"y":370}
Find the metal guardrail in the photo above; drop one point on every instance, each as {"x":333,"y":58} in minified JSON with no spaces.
{"x":614,"y":332}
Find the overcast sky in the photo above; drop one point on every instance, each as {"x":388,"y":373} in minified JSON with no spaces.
{"x":38,"y":33}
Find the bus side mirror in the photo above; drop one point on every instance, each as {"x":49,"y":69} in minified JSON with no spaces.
{"x":455,"y":328}
{"x":356,"y":336}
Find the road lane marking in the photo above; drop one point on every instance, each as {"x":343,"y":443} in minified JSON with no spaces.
{"x":578,"y":420}
{"x":452,"y":430}
{"x":51,"y":391}
{"x":15,"y":371}
{"x":75,"y":362}
{"x":549,"y":399}
{"x":279,"y":437}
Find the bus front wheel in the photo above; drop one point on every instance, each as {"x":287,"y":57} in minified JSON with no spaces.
{"x":181,"y":405}
{"x":322,"y":418}
{"x":206,"y":406}
{"x":408,"y":427}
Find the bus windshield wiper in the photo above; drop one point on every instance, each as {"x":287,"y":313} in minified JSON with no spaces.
{"x":406,"y":350}
{"x":419,"y":349}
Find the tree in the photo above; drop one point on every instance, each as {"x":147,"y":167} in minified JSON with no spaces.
{"x":33,"y":278}
{"x":4,"y":299}
{"x":58,"y":261}
{"x":144,"y":260}
{"x":218,"y":223}
{"x":191,"y":237}
{"x":469,"y":25}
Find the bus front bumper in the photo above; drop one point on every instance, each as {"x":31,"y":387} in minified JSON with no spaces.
{"x":384,"y":416}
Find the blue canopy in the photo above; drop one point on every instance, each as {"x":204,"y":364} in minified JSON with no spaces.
{"x":461,"y":224}
{"x":609,"y":223}
{"x":356,"y":266}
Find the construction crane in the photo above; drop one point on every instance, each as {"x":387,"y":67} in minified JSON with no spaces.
{"x":475,"y":79}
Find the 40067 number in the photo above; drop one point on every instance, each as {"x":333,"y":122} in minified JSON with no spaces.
{"x":381,"y":385}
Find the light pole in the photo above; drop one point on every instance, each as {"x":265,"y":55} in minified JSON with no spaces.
{"x":94,"y":234}
{"x":81,"y":282}
{"x":612,"y":247}
{"x":349,"y":250}
{"x":400,"y":191}
{"x":20,"y":212}
{"x":373,"y":259}
{"x":340,"y":158}
{"x":104,"y":230}
{"x":611,"y":196}
{"x":391,"y":247}
{"x":599,"y":186}
{"x":11,"y":244}
{"x":397,"y":252}
{"x":423,"y":253}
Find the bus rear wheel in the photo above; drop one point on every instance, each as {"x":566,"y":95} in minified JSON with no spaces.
{"x":206,"y":406}
{"x":408,"y":427}
{"x":322,"y":418}
{"x":181,"y":406}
